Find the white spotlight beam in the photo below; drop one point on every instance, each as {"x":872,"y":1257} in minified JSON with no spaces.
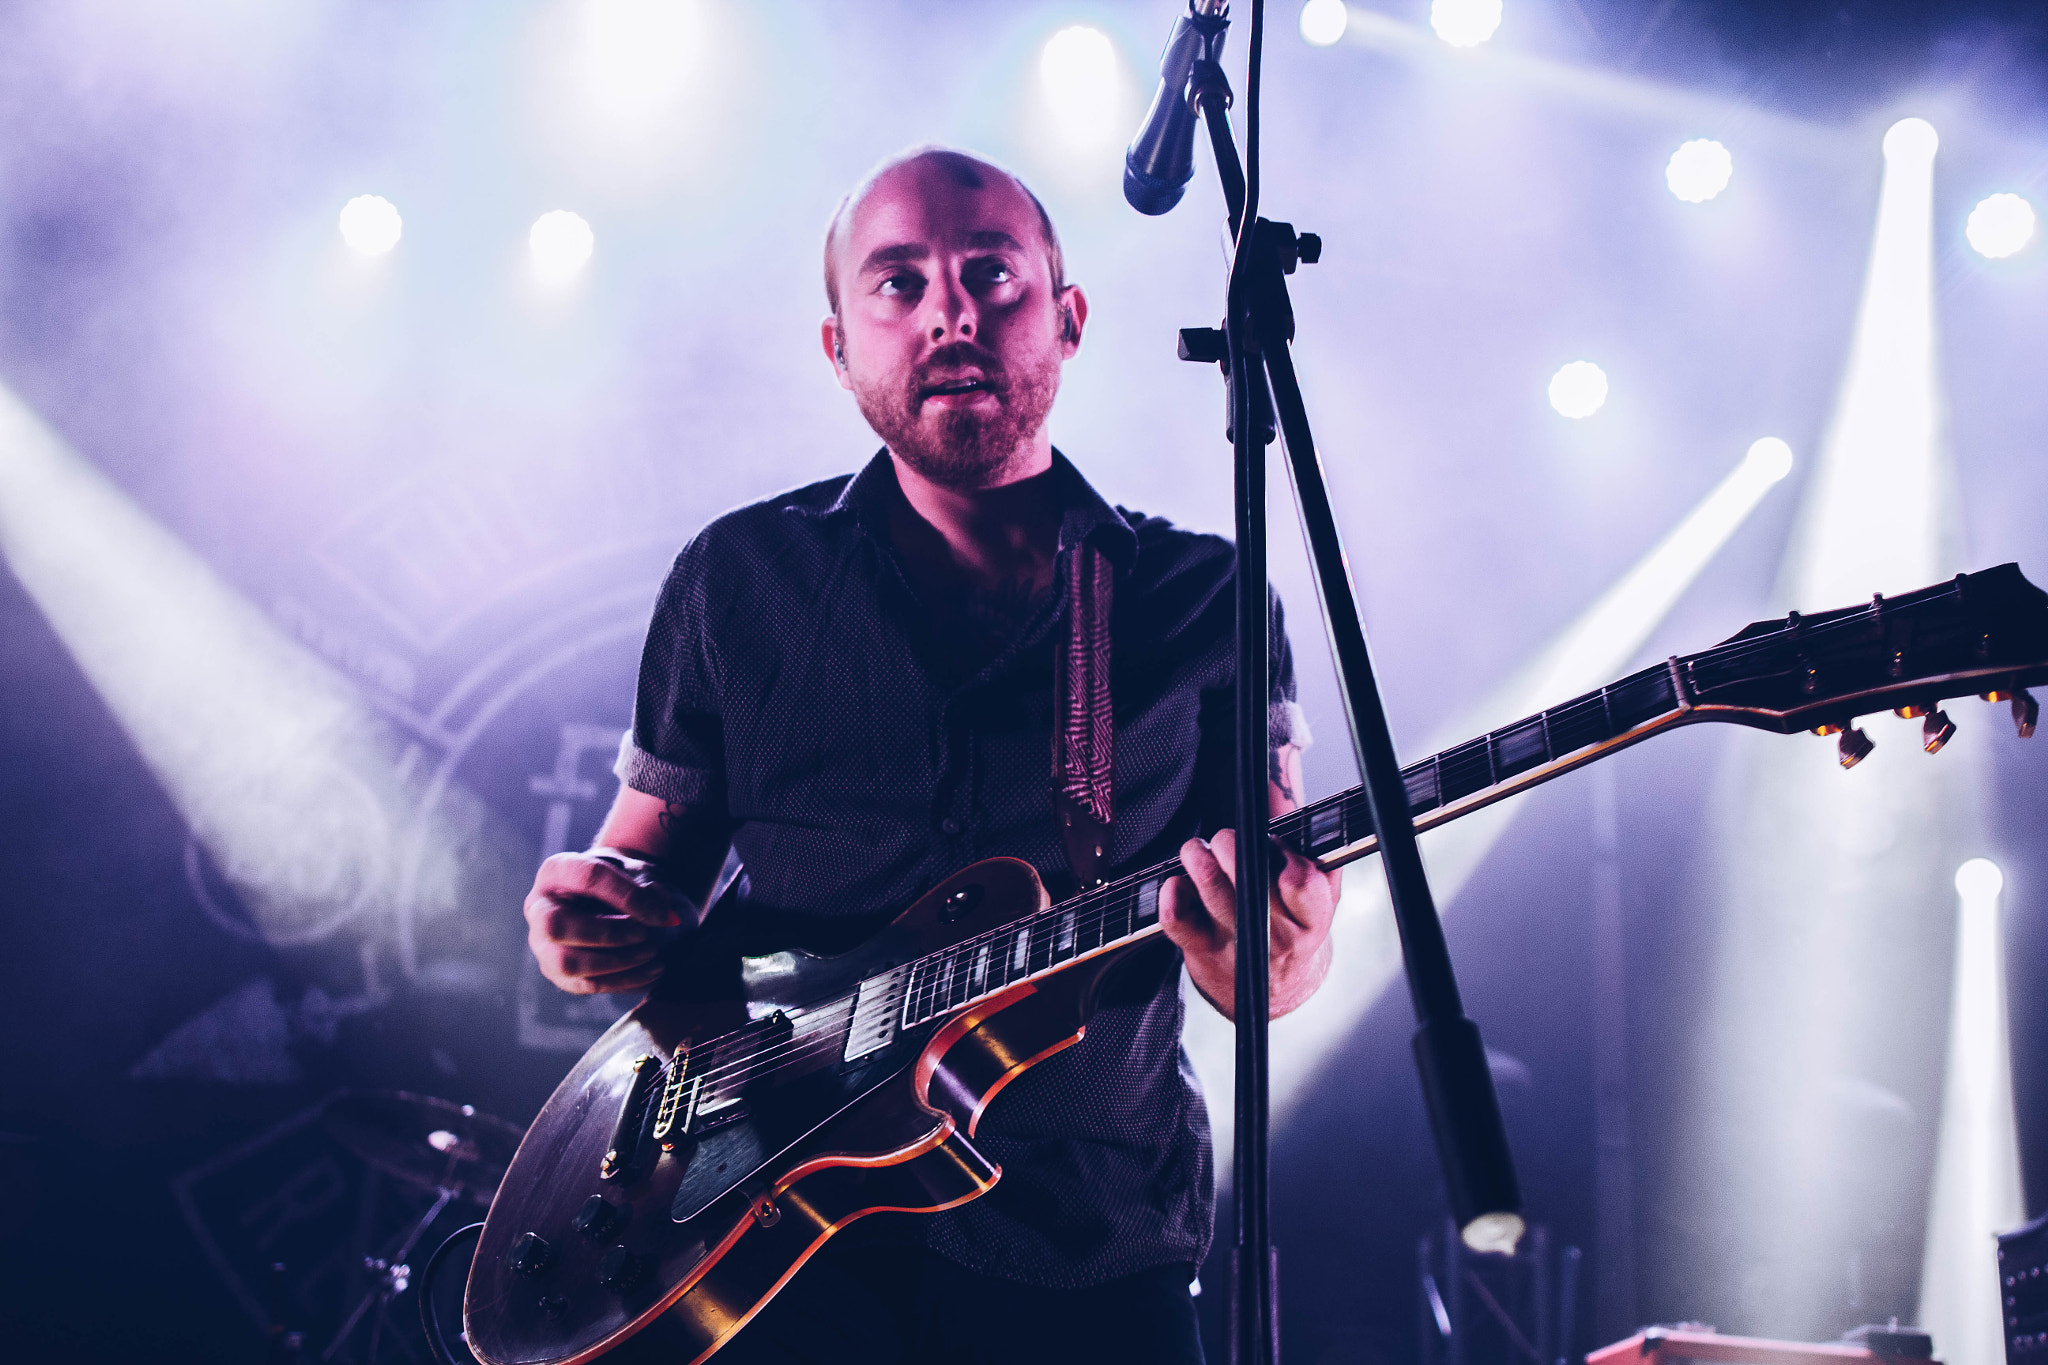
{"x":281,"y":771}
{"x":1594,"y":650}
{"x":1977,"y":1157}
{"x":1368,"y":28}
{"x":1824,"y":878}
{"x":1871,"y":523}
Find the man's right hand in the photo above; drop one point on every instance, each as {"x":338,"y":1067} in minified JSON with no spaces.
{"x":592,"y":928}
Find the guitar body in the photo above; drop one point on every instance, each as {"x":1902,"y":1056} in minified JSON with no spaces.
{"x":723,"y":1215}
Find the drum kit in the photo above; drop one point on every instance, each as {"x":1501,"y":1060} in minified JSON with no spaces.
{"x":448,"y":1150}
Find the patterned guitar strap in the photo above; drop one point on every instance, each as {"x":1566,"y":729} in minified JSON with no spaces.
{"x":1083,"y":735}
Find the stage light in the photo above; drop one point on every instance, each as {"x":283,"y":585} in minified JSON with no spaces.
{"x":1976,"y":1189}
{"x":1323,"y":21}
{"x":1594,"y":650}
{"x":1085,"y":88}
{"x":2000,"y":225}
{"x":1578,"y":390}
{"x":1464,"y":23}
{"x":1769,"y":458}
{"x":370,"y":224}
{"x":1699,"y":170}
{"x":1911,"y":141}
{"x":1821,"y":880}
{"x":637,"y":56}
{"x":560,"y":244}
{"x":1979,"y":880}
{"x":1075,"y":60}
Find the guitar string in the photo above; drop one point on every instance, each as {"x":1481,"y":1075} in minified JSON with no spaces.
{"x":1093,"y":909}
{"x":757,"y":1061}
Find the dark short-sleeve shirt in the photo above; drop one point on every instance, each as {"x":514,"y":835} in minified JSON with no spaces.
{"x":792,"y":682}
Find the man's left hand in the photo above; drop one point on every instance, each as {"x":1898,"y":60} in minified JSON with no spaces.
{"x":1199,"y":913}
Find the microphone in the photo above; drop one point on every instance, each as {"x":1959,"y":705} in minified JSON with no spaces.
{"x":1161,"y":160}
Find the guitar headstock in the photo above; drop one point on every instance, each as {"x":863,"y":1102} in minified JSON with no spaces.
{"x":1981,"y":634}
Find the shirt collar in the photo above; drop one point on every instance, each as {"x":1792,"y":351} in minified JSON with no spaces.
{"x":1088,"y":517}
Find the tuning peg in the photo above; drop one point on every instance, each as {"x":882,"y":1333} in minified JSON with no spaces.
{"x":2026,"y":713}
{"x":1854,"y":746}
{"x":1936,"y":730}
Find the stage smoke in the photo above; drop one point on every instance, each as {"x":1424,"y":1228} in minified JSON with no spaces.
{"x":1596,"y":649}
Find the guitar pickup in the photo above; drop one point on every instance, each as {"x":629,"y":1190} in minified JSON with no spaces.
{"x":623,"y":1155}
{"x":678,"y":1100}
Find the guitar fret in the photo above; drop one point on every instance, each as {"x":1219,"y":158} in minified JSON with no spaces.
{"x":1578,"y":723}
{"x":1464,"y":770}
{"x":1639,"y":697}
{"x":1421,"y":783}
{"x":1115,"y":911}
{"x":1518,"y":748}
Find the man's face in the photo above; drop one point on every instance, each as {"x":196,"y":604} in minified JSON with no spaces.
{"x":951,"y":329}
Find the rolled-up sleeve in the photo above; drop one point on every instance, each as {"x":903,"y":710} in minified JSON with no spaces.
{"x":675,"y":750}
{"x":1286,"y":722}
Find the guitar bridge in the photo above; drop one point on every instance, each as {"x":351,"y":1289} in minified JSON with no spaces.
{"x":622,"y":1157}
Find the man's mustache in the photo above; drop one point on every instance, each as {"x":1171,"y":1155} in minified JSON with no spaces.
{"x":956,"y":355}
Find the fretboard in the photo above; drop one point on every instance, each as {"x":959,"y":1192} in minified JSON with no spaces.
{"x":1335,"y":831}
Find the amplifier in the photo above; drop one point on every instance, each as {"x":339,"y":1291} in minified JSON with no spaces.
{"x":2023,"y":1291}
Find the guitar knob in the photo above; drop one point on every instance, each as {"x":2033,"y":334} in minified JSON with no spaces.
{"x":1854,"y":747}
{"x":531,"y":1254}
{"x":619,"y":1271}
{"x":1936,"y":730}
{"x":599,"y":1216}
{"x":2026,"y":713}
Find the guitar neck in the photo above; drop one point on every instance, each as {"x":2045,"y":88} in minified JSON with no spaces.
{"x":1333,"y":831}
{"x":1338,"y":829}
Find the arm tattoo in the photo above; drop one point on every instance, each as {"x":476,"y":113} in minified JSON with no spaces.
{"x":671,"y":820}
{"x":1276,"y":769}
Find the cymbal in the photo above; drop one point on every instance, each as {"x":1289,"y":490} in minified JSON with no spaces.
{"x":425,"y":1141}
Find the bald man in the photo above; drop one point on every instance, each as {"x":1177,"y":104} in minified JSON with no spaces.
{"x":852,"y":686}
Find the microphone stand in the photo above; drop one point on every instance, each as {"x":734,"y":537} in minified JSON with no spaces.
{"x":1464,"y":1112}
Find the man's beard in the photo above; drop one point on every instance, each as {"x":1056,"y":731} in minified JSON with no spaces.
{"x":960,"y":448}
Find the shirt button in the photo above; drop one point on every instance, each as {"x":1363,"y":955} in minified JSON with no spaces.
{"x":949,"y":826}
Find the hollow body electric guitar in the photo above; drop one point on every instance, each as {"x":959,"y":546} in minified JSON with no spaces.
{"x":700,"y":1152}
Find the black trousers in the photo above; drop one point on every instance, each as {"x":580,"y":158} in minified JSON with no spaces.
{"x":856,"y":1304}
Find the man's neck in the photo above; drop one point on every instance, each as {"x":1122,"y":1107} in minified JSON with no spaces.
{"x":991,"y":533}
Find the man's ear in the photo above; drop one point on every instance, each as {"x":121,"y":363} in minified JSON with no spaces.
{"x":835,"y":350}
{"x":1074,"y":316}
